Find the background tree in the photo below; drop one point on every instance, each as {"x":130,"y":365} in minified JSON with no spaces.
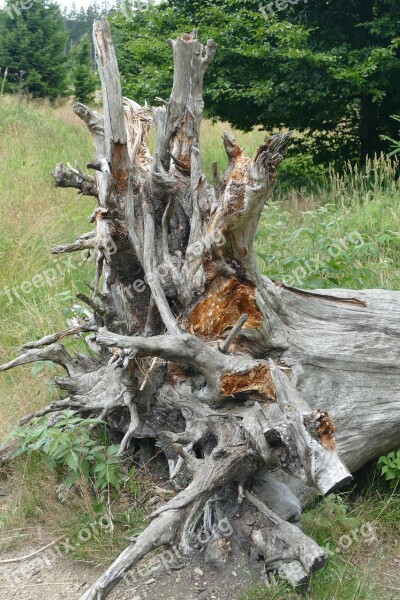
{"x":79,"y":23}
{"x":33,"y":42}
{"x":84,"y":78}
{"x":328,"y":68}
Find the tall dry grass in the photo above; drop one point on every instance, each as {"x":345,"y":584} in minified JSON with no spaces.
{"x":34,"y":217}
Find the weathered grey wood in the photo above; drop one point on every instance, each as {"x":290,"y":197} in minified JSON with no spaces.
{"x":160,"y":532}
{"x":278,"y":497}
{"x":68,"y":177}
{"x":233,"y":333}
{"x":114,"y":125}
{"x":297,"y":554}
{"x":86,"y":241}
{"x":55,"y":353}
{"x":152,"y":275}
{"x":349,"y":365}
{"x":88,"y":325}
{"x":322,"y":466}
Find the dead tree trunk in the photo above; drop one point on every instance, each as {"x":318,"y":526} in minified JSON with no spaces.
{"x":240,"y":379}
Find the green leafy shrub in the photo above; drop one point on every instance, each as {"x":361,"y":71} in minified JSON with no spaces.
{"x":68,"y":448}
{"x":389,"y":466}
{"x":300,"y":172}
{"x":320,"y":252}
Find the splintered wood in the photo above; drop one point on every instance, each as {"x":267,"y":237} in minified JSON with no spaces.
{"x":325,"y":429}
{"x":257,"y":380}
{"x":221,"y":310}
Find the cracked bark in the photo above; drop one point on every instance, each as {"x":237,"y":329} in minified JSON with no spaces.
{"x":267,"y":373}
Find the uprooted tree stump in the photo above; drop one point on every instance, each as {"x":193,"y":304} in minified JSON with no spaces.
{"x":241,"y":380}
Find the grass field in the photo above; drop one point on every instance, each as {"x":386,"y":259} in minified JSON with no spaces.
{"x":346,"y":233}
{"x":35,"y":216}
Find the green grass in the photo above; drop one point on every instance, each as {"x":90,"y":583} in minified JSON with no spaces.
{"x":96,"y":529}
{"x":345,"y":235}
{"x":298,"y":231}
{"x":35,"y":216}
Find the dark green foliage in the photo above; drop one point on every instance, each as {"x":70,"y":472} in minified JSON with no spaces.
{"x":80,"y":22}
{"x":330,"y":68}
{"x":144,"y":58}
{"x":300,"y":172}
{"x":32,"y":46}
{"x":35,"y":39}
{"x":84,"y":78}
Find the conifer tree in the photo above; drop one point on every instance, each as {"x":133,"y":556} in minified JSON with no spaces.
{"x":83,"y":76}
{"x":32,"y":42}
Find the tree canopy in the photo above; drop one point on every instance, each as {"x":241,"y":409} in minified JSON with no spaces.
{"x":32,"y":46}
{"x":327,"y":68}
{"x":36,"y":38}
{"x":80,"y":22}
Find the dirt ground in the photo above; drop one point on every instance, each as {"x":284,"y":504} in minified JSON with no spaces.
{"x":60,"y":578}
{"x":48,"y":576}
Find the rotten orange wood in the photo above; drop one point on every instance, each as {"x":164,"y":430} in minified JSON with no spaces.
{"x":255,"y":380}
{"x":325,"y":429}
{"x":223,"y":307}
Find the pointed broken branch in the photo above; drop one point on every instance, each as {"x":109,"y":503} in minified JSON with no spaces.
{"x":68,"y":177}
{"x":55,"y":353}
{"x":56,"y":337}
{"x":84,"y":242}
{"x":233,"y":334}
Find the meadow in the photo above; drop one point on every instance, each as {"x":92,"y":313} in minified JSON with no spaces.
{"x":336,"y":230}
